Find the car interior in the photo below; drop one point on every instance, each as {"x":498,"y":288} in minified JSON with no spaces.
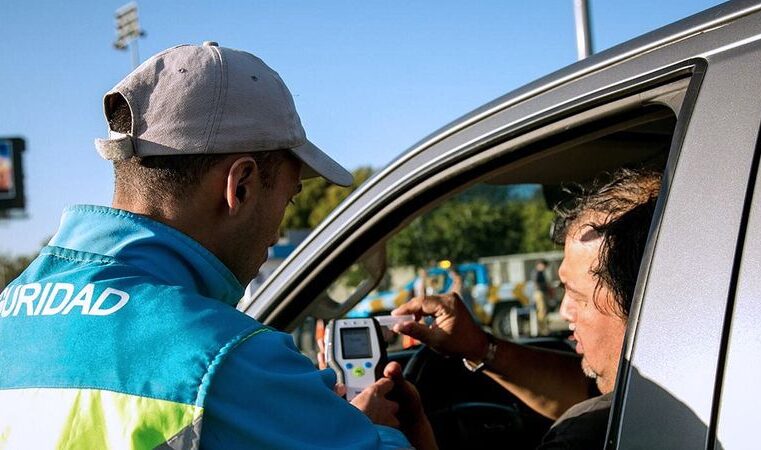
{"x":535,"y":168}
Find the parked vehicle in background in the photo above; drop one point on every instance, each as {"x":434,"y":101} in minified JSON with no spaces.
{"x":683,"y":100}
{"x":505,"y":303}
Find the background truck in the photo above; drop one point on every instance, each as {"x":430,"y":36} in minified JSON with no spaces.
{"x":498,"y":290}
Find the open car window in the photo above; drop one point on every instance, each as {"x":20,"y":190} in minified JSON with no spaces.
{"x":488,"y":236}
{"x":490,"y":243}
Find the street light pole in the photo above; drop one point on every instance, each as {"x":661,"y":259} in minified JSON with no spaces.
{"x":135,"y":53}
{"x":128,"y":31}
{"x":583,"y":35}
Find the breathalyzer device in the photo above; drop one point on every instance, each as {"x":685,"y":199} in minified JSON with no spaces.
{"x":356,"y":351}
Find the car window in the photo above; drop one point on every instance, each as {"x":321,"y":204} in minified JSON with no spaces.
{"x":490,"y":244}
{"x":490,"y":240}
{"x":484,"y":243}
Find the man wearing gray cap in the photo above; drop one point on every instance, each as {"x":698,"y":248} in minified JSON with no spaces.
{"x":123,"y":333}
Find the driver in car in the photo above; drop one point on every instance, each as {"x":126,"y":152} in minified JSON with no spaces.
{"x":604,"y":229}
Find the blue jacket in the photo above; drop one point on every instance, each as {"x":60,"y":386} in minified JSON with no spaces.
{"x":123,"y":334}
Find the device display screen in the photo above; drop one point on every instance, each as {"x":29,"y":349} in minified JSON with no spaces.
{"x":355,"y":343}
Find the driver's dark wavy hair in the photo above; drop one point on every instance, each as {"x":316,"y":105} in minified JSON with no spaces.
{"x":619,"y":208}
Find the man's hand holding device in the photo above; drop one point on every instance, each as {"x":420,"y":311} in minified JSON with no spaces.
{"x":356,"y":350}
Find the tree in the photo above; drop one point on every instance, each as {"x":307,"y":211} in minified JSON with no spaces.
{"x":483,"y":221}
{"x":486,"y":220}
{"x":537,"y":221}
{"x":11,"y":267}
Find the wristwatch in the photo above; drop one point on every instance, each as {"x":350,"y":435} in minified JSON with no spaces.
{"x":491,"y":352}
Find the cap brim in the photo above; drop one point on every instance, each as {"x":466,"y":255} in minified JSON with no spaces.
{"x":318,"y":163}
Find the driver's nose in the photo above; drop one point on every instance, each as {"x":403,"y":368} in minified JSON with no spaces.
{"x":567,"y":308}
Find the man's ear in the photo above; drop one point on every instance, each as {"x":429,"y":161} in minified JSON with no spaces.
{"x":242,"y":185}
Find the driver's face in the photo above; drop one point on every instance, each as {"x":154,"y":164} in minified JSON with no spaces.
{"x":599,"y":335}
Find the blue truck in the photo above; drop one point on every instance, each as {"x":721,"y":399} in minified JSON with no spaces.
{"x":506,"y":308}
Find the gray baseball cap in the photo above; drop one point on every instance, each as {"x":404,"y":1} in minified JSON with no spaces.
{"x":209,"y":99}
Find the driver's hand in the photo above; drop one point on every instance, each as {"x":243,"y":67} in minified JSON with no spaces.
{"x":453,"y":332}
{"x":373,"y":402}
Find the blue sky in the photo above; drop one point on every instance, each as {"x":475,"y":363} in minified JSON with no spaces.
{"x":369,"y":78}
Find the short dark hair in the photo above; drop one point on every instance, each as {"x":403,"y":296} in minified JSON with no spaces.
{"x":168,"y":177}
{"x":619,"y":207}
{"x":174,"y":176}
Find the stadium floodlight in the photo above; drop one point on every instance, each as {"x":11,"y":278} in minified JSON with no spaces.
{"x":128,"y":30}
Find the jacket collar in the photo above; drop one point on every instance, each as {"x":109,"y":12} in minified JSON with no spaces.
{"x":151,"y":246}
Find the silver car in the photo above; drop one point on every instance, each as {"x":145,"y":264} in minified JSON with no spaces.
{"x":685,"y":99}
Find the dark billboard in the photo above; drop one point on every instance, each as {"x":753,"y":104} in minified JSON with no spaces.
{"x":11,"y":174}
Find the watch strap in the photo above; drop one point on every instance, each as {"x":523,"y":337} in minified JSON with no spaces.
{"x":491,"y":353}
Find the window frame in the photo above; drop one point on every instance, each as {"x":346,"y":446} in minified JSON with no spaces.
{"x":452,"y":169}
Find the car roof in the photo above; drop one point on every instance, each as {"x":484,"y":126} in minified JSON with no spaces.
{"x":679,"y":30}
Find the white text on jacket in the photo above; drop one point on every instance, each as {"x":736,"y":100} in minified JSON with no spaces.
{"x":34,"y":299}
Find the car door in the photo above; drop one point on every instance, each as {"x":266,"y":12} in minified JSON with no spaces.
{"x":705,"y":70}
{"x":669,"y":384}
{"x":607,"y":126}
{"x":739,"y":390}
